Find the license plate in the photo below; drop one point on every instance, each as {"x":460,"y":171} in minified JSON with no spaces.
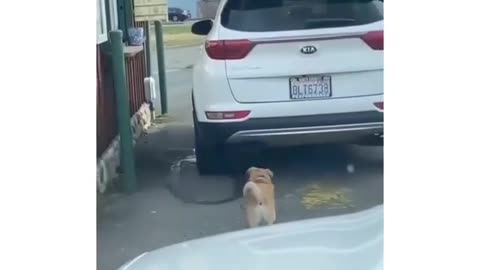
{"x":310,"y":87}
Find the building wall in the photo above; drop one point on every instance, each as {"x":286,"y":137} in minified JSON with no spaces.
{"x":158,"y":9}
{"x":151,"y":10}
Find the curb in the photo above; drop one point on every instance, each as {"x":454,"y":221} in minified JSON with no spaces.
{"x":109,"y":161}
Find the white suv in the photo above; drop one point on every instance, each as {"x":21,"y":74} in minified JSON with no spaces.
{"x":285,"y":72}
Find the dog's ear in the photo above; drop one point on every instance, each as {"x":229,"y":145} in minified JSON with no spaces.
{"x":269,"y":172}
{"x":249,"y":171}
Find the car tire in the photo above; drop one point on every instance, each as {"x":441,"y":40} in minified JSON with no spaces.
{"x":379,"y":142}
{"x":175,"y":18}
{"x":210,"y":156}
{"x":372,"y":141}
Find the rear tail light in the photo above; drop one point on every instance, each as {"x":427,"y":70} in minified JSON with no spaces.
{"x":227,"y":115}
{"x":374,"y":40}
{"x":379,"y":105}
{"x":228,"y":49}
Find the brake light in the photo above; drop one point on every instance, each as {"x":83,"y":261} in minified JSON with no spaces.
{"x":228,"y":49}
{"x":379,"y":105}
{"x":227,"y":115}
{"x":374,"y":40}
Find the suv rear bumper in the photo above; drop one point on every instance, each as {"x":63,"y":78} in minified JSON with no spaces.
{"x":297,"y":130}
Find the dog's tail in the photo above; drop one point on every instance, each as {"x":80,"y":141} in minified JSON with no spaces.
{"x":252,"y":192}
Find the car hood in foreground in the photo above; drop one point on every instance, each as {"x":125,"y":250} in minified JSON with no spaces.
{"x":353,"y":241}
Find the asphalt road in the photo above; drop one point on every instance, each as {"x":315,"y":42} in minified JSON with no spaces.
{"x":187,"y":22}
{"x":310,"y":182}
{"x":178,"y":64}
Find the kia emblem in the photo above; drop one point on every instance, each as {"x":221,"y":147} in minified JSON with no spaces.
{"x":308,"y":50}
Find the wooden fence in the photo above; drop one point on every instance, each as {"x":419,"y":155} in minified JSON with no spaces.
{"x":136,"y":71}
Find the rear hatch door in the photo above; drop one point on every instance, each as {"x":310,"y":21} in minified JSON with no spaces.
{"x":304,"y":49}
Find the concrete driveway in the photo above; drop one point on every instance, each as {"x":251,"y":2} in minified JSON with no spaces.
{"x":175,"y":204}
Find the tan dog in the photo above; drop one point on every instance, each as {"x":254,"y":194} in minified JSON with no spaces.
{"x":259,"y":197}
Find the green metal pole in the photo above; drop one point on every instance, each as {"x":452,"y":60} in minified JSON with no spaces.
{"x":161,"y":66}
{"x":129,"y":17}
{"x":123,"y":112}
{"x":122,"y":21}
{"x":147,"y":48}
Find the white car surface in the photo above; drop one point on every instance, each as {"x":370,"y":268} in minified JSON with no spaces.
{"x":353,"y":241}
{"x":285,"y":72}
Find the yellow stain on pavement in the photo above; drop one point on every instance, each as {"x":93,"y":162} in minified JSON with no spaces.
{"x":317,"y":196}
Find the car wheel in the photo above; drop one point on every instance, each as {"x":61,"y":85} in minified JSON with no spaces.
{"x":175,"y":18}
{"x":210,"y":156}
{"x":379,"y":142}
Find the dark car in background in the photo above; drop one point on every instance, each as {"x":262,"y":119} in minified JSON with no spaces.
{"x":178,"y":14}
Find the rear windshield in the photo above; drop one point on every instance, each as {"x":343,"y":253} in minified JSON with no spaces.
{"x":285,"y":15}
